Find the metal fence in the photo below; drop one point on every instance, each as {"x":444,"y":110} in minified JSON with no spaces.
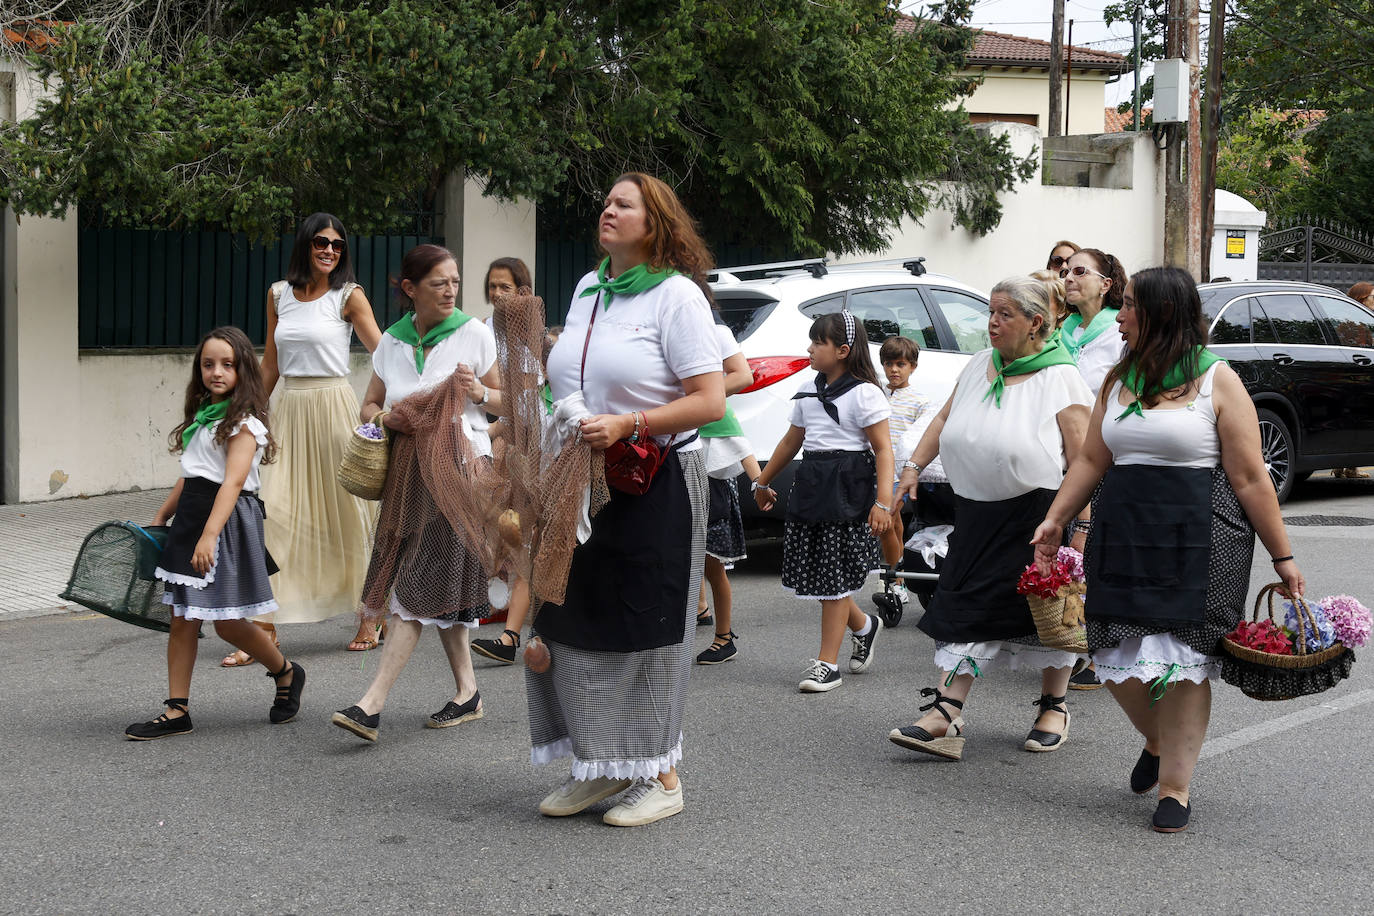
{"x":1316,"y":251}
{"x":159,"y":288}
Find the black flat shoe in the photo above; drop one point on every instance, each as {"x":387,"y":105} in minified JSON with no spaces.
{"x":1145,"y":776}
{"x":1042,"y":742}
{"x":354,"y":720}
{"x":722,"y":649}
{"x":496,"y":650}
{"x":288,"y":701}
{"x":162,"y":727}
{"x":706,"y":620}
{"x":455,"y":714}
{"x":1170,"y":816}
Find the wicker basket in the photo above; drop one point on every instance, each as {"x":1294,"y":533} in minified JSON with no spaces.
{"x":362,"y":471}
{"x":1051,"y":614}
{"x":1267,"y":676}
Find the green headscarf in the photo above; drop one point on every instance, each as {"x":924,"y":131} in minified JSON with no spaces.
{"x":635,"y":280}
{"x":1174,"y":378}
{"x":208,"y":415}
{"x":404,"y":331}
{"x":1101,"y":322}
{"x":1052,"y":354}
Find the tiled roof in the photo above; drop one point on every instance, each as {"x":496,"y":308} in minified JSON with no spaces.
{"x":998,"y":49}
{"x":1114,"y":122}
{"x":35,"y":34}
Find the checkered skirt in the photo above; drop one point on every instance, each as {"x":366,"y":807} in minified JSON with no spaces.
{"x":619,"y":714}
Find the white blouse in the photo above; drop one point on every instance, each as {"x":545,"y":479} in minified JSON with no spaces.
{"x":203,"y":457}
{"x":1180,"y":437}
{"x":859,"y":408}
{"x":472,"y":344}
{"x":312,"y":337}
{"x":640,"y":348}
{"x":1098,"y":356}
{"x":991,"y":453}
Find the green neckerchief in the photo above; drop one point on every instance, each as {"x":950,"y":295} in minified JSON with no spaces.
{"x":547,"y":394}
{"x":1101,"y":322}
{"x":635,"y":280}
{"x":1174,"y":378}
{"x":1052,"y":354}
{"x":723,"y":428}
{"x":1056,"y":336}
{"x":404,"y":331}
{"x":208,"y":415}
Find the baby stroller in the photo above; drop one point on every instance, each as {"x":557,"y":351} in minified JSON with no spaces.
{"x":927,"y":537}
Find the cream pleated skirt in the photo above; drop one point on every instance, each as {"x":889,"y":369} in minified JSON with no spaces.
{"x":319,"y":534}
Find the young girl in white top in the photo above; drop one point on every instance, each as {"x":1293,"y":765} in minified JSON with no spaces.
{"x":835,"y":508}
{"x":215,"y":565}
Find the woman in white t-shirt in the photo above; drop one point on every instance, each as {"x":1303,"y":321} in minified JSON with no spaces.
{"x":639,"y":347}
{"x":422,"y":572}
{"x":317,"y":531}
{"x":1017,"y":416}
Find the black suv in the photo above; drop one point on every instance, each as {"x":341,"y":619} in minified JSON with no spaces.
{"x":1306,"y":355}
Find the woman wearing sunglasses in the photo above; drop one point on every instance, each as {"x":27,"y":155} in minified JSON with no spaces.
{"x":1059,"y":254}
{"x":1094,"y":282}
{"x":317,"y":532}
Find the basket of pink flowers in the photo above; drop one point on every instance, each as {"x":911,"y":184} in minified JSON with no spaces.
{"x":1308,"y":653}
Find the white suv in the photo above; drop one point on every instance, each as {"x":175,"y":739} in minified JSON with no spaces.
{"x":770,"y":307}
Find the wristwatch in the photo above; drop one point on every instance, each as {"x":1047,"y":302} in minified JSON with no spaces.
{"x":486,"y":395}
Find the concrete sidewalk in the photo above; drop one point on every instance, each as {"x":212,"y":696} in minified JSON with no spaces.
{"x":39,"y":543}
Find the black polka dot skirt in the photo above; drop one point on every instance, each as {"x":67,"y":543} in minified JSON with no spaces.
{"x":827,"y":560}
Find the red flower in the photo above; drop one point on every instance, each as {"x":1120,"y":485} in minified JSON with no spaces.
{"x":1262,"y":636}
{"x":1044,"y":586}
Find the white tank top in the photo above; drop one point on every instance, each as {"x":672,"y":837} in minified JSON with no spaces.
{"x":1180,"y":437}
{"x":312,"y":337}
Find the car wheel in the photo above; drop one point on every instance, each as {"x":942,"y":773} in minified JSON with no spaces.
{"x":1276,"y":446}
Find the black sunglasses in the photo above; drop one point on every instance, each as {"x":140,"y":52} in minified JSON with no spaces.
{"x":320,"y":243}
{"x":1056,"y":261}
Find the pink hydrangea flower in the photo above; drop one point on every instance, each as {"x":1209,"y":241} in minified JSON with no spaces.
{"x":1349,"y":619}
{"x":1072,"y":562}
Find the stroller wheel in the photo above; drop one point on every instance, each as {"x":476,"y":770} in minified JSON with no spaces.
{"x":889,"y":608}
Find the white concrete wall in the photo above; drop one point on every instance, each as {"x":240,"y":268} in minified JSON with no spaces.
{"x":1029,"y":93}
{"x":491,"y":229}
{"x":1126,"y":223}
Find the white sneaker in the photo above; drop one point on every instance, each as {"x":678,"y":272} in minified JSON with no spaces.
{"x":646,"y":802}
{"x":579,"y":794}
{"x":820,"y":677}
{"x":902,"y":594}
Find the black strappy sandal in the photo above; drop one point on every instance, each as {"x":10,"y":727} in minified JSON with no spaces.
{"x":722,"y":649}
{"x":1042,"y":741}
{"x":288,"y":700}
{"x":162,"y":726}
{"x":950,"y":745}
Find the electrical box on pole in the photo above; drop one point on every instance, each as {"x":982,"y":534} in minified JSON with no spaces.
{"x":1171,"y":91}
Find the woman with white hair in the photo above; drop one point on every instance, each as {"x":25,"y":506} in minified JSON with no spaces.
{"x":1017,"y":416}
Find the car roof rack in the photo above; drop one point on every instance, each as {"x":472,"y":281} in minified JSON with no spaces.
{"x":915,"y":266}
{"x":814,"y":266}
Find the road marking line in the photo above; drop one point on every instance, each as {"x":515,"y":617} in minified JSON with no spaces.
{"x":1249,"y":735}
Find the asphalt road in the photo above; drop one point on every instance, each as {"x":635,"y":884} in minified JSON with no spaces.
{"x":794,"y":802}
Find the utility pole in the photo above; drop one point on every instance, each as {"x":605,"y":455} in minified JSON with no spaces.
{"x":1183,"y":187}
{"x":1216,"y":34}
{"x":1056,"y":69}
{"x":1137,"y":26}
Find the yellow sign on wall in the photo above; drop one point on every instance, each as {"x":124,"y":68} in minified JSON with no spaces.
{"x":1235,"y":243}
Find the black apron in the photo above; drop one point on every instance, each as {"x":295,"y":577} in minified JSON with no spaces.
{"x":194,"y":506}
{"x":1149,"y":545}
{"x":628,"y":584}
{"x":976,"y":598}
{"x":833,"y":486}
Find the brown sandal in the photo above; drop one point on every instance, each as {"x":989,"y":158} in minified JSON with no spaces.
{"x":241,"y":659}
{"x":370,"y":641}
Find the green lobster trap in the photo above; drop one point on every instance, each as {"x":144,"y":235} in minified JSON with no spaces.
{"x":113,"y":574}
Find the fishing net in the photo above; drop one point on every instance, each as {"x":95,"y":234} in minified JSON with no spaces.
{"x":113,"y":574}
{"x":551,"y":482}
{"x":450,"y":519}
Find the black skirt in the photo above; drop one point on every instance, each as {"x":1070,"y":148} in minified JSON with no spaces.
{"x":628,"y":584}
{"x":194,"y":506}
{"x":976,"y":599}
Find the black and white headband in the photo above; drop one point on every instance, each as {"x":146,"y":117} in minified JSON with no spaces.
{"x":848,"y":327}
